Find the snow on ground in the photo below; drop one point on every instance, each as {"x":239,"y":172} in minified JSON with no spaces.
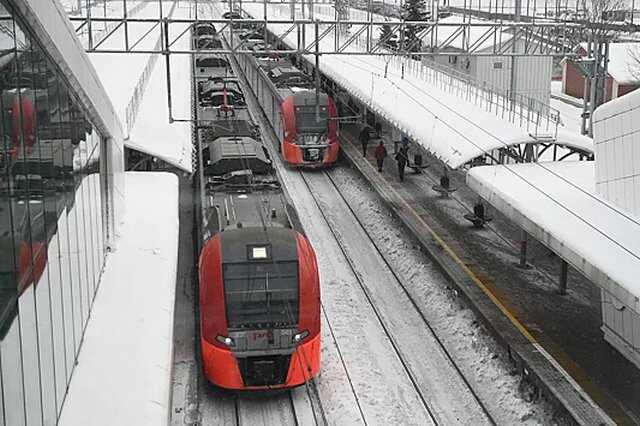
{"x":569,"y":114}
{"x":381,"y":387}
{"x":484,"y":363}
{"x":123,"y":375}
{"x":570,"y":111}
{"x":152,"y":132}
{"x":438,"y":120}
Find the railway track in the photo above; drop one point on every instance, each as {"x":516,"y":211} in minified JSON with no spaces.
{"x":385,"y":365}
{"x":345,"y":224}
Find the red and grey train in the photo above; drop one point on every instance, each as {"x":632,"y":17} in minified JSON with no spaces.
{"x":259,"y":295}
{"x":305,"y":122}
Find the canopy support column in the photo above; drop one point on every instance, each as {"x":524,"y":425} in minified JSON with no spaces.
{"x":564,"y":272}
{"x":523,"y":250}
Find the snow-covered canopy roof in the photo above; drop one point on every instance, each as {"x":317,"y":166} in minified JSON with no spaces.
{"x":623,"y":67}
{"x":453,"y":129}
{"x":151,"y":133}
{"x":557,"y":204}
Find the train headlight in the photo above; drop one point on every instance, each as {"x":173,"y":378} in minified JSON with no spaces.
{"x":297,"y":338}
{"x":227,"y":341}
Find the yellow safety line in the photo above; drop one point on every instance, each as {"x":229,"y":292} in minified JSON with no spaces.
{"x":466,"y":269}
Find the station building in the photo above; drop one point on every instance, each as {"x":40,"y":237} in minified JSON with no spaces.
{"x":61,"y":188}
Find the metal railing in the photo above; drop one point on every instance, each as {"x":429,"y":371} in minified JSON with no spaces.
{"x":133,"y":106}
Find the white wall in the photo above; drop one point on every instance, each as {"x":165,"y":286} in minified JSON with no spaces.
{"x":533,"y":74}
{"x":616,"y":137}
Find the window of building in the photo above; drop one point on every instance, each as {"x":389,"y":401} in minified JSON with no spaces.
{"x":51,"y":238}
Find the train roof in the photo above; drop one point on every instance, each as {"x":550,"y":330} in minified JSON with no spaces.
{"x":281,"y":73}
{"x":308,"y":97}
{"x":228,"y":154}
{"x":212,"y":61}
{"x":259,"y":244}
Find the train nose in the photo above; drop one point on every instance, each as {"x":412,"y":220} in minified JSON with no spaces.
{"x":264,"y":370}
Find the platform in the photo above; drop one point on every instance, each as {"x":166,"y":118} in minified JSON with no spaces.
{"x":123,"y":372}
{"x":489,"y":286}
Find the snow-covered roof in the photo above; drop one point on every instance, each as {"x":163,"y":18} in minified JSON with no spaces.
{"x":557,"y":204}
{"x":474,"y":35}
{"x":622,"y":66}
{"x":152,"y":133}
{"x":134,"y":364}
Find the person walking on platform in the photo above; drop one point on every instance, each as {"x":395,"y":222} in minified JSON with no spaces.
{"x":380,"y":154}
{"x":364,"y":139}
{"x":478,"y":209}
{"x":404,"y":141}
{"x":402,"y":157}
{"x":444,"y":180}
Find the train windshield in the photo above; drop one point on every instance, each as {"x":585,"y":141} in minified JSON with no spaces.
{"x":306,"y":120}
{"x":261,"y":295}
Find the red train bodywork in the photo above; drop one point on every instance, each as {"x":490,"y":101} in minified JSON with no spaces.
{"x":292,"y":152}
{"x":23,"y":124}
{"x":221,"y":363}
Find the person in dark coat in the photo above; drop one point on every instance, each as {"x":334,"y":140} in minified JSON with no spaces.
{"x":380,"y":154}
{"x":478,"y":209}
{"x":364,"y":139}
{"x":444,"y":181}
{"x":402,"y":157}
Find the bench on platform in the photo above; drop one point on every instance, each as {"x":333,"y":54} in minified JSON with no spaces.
{"x":444,"y":192}
{"x":417,"y":166}
{"x":478,"y":222}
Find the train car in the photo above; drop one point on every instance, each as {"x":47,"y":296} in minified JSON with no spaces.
{"x":259,"y":295}
{"x":305,"y":121}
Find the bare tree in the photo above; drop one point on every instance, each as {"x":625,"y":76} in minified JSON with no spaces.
{"x":600,"y":11}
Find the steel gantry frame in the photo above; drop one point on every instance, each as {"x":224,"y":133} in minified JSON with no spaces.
{"x":541,"y":37}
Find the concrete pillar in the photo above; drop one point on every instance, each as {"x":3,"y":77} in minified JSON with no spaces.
{"x":562,"y":284}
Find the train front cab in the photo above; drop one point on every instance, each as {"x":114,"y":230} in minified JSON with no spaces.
{"x":249,"y":340}
{"x":307,"y":141}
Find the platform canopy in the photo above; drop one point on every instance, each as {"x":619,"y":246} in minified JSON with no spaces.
{"x":444,"y":121}
{"x":557,"y":204}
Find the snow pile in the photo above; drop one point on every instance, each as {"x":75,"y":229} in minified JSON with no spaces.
{"x":123,"y":375}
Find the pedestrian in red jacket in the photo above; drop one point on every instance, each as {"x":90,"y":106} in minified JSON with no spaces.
{"x":380,"y":154}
